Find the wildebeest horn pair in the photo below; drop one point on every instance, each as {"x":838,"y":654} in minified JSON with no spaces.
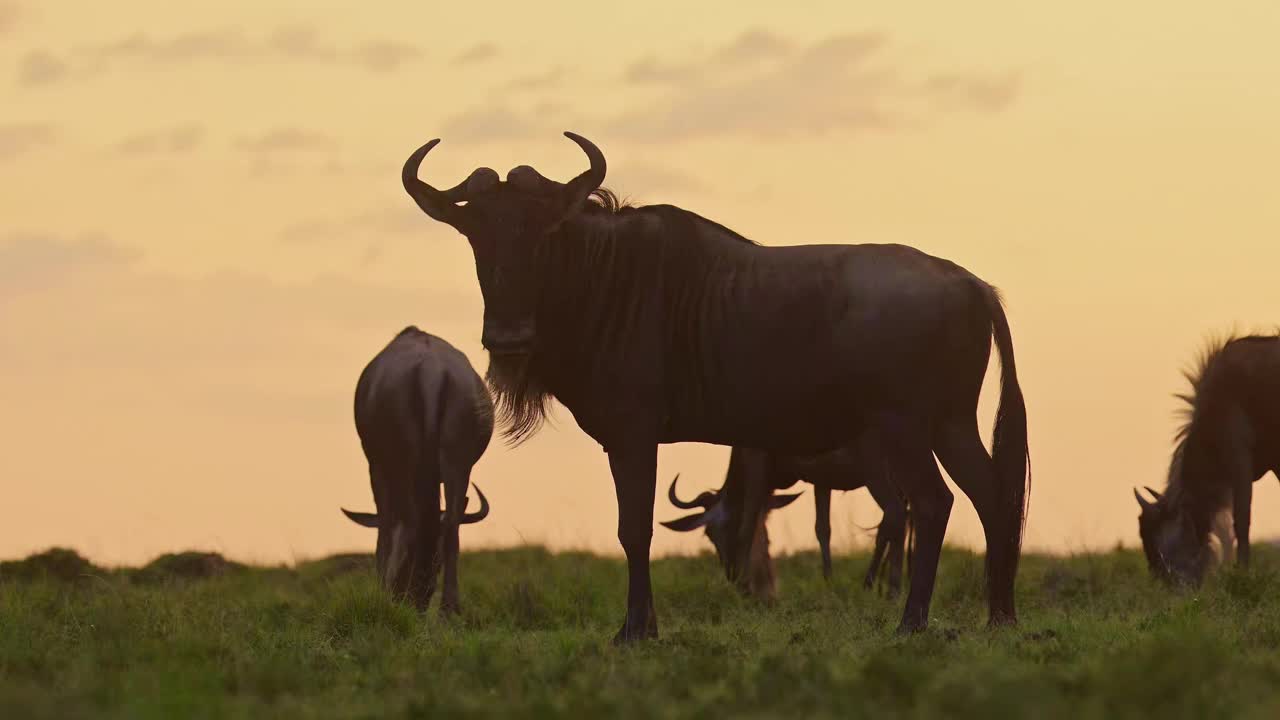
{"x":705,"y":501}
{"x":1145,"y":503}
{"x":442,"y":205}
{"x":370,"y":520}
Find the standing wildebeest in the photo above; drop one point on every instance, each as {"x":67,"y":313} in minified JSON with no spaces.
{"x":848,"y":468}
{"x":424,"y":418}
{"x":654,"y":325}
{"x":1230,"y":440}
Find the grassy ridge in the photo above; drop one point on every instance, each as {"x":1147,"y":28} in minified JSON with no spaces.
{"x":1097,"y":639}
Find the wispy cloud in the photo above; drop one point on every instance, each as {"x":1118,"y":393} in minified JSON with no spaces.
{"x":758,"y":84}
{"x":286,"y":140}
{"x":385,"y":55}
{"x":753,"y":46}
{"x":20,"y":138}
{"x":492,"y":123}
{"x":192,"y":46}
{"x":370,"y":234}
{"x":174,"y":140}
{"x":549,"y":78}
{"x":40,"y":67}
{"x":32,"y":260}
{"x":400,"y":221}
{"x":979,"y":92}
{"x":299,"y":43}
{"x":10,"y":15}
{"x":763,"y":86}
{"x":476,"y":54}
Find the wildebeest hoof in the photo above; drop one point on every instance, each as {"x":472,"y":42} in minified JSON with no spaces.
{"x":636,"y":632}
{"x":1002,"y":620}
{"x":912,"y":628}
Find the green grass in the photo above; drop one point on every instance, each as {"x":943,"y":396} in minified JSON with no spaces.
{"x":188,"y":637}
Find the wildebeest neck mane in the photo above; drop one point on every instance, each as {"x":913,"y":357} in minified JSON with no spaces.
{"x":595,"y":273}
{"x":1190,"y":485}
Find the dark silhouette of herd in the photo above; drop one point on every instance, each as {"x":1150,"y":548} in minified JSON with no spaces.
{"x":845,"y":366}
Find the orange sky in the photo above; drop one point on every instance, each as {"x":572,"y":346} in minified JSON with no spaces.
{"x":203,"y":237}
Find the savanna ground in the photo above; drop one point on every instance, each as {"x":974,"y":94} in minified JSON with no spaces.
{"x":191,"y":636}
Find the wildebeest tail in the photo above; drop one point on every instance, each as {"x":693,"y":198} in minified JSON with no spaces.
{"x":433,"y":404}
{"x":1011,"y":458}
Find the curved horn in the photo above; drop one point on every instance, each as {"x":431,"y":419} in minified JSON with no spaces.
{"x":675,"y":499}
{"x":577,"y":189}
{"x":781,"y":501}
{"x":1143,"y":502}
{"x":369,"y":520}
{"x":438,"y":205}
{"x":1154,"y":494}
{"x":477,"y":516}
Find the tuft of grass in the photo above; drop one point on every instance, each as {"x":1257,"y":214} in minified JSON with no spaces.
{"x":58,"y":564}
{"x":195,"y":636}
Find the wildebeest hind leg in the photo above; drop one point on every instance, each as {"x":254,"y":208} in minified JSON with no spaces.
{"x":912,"y":466}
{"x":960,"y":448}
{"x":634,"y":479}
{"x":891,"y":533}
{"x":456,"y":481}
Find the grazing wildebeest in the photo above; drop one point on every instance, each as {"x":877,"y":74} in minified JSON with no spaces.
{"x":424,"y":418}
{"x":849,"y":468}
{"x":654,"y":325}
{"x":1231,"y":439}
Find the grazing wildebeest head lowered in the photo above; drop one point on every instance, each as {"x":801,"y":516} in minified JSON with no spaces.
{"x":1230,"y":440}
{"x":655,"y":325}
{"x":747,"y":469}
{"x":754,"y":473}
{"x":424,"y":418}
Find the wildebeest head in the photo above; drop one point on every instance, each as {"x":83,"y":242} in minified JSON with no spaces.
{"x":410,"y":552}
{"x":1174,"y":555}
{"x":504,"y":222}
{"x":720,"y":517}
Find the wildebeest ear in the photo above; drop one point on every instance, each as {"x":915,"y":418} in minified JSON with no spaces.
{"x":781,"y":501}
{"x":369,"y":520}
{"x":686,"y":523}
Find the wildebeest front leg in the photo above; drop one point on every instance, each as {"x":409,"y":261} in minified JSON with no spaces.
{"x":822,"y":526}
{"x":877,"y":557}
{"x":1242,"y":498}
{"x":634,"y":478}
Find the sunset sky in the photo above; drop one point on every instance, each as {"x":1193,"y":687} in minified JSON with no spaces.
{"x":203,"y":237}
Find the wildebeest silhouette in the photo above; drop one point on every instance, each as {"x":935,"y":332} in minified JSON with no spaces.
{"x":859,"y":465}
{"x":655,"y":325}
{"x":1231,"y":438}
{"x":424,"y":418}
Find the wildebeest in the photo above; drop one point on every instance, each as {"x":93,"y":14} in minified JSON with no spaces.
{"x":424,"y":418}
{"x":655,"y":325}
{"x":1231,"y":439}
{"x":849,"y":468}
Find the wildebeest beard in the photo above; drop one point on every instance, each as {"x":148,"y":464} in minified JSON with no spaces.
{"x":520,"y":399}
